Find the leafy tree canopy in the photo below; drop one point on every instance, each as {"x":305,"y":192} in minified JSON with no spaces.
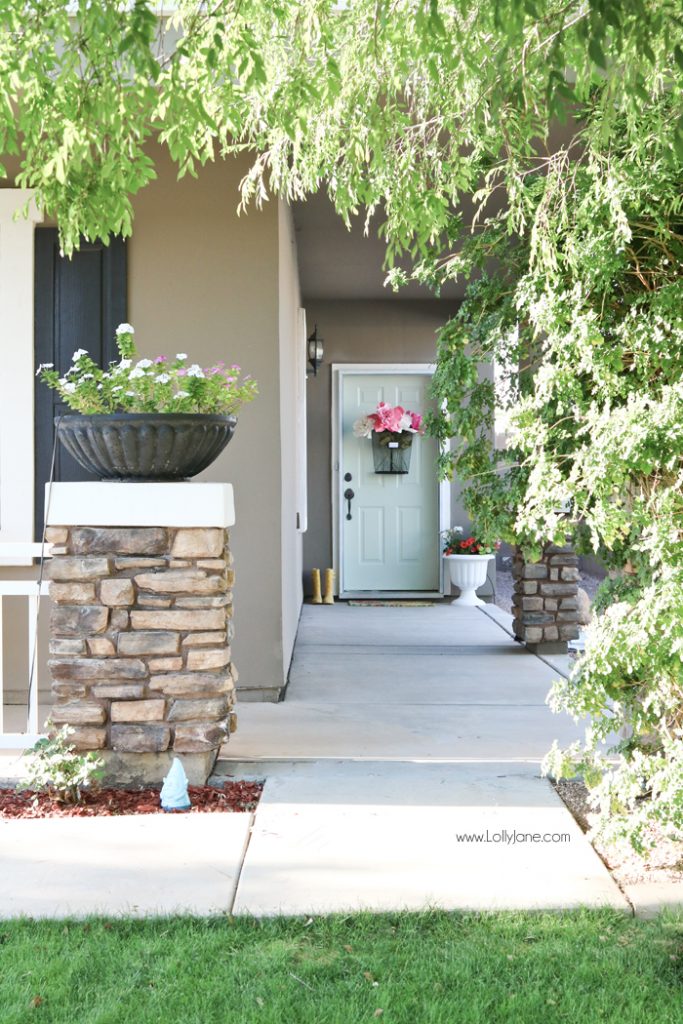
{"x":402,"y":104}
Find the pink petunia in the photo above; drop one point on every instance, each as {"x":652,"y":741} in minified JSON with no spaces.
{"x":161,"y":359}
{"x":415,"y":421}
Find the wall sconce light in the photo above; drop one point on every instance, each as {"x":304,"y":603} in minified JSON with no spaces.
{"x":314,"y":350}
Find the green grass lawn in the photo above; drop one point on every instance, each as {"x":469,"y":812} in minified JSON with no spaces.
{"x":397,"y":968}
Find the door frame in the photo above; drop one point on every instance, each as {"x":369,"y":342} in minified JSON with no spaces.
{"x":339,"y":372}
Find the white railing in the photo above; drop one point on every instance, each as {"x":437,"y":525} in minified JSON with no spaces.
{"x":32,"y":590}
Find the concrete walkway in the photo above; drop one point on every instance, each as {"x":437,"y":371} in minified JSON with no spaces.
{"x":439,"y":683}
{"x":339,"y":836}
{"x":402,"y":771}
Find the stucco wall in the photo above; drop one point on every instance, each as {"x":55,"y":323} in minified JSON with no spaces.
{"x":385,"y":331}
{"x":291,"y":443}
{"x":204,"y":281}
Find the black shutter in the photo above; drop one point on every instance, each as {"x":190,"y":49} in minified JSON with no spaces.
{"x":79,"y":303}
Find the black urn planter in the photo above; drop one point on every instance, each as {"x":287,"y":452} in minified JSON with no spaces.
{"x":145,"y":446}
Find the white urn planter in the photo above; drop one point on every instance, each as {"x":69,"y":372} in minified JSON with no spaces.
{"x":468,"y":572}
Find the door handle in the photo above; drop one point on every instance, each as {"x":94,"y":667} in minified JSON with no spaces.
{"x":348,"y":495}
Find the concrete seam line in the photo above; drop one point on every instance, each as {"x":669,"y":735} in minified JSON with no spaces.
{"x":494,"y":619}
{"x":555,"y":668}
{"x":238,"y":876}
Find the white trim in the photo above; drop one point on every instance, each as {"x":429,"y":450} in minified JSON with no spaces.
{"x":301,"y":428}
{"x":19,"y":740}
{"x":17,"y":453}
{"x":339,"y":371}
{"x":25,"y":552}
{"x":109,"y":503}
{"x":389,"y":595}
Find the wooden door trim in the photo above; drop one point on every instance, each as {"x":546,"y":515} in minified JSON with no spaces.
{"x":339,"y":372}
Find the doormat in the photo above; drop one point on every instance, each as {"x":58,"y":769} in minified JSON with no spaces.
{"x":370,"y":603}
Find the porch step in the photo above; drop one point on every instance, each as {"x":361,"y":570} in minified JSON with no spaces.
{"x":301,"y":731}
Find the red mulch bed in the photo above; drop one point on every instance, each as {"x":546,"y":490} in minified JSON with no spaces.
{"x":233,"y":796}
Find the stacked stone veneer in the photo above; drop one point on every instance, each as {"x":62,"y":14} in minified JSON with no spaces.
{"x":140,"y":632}
{"x":545,"y":606}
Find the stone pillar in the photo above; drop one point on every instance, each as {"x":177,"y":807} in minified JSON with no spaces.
{"x":141,"y":625}
{"x":545,"y":606}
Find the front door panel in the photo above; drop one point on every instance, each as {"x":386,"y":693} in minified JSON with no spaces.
{"x":391,"y":543}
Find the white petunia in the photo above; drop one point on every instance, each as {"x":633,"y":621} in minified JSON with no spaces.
{"x":163,"y":378}
{"x":69,"y":387}
{"x":182,"y":394}
{"x":195,"y":371}
{"x":87,"y":376}
{"x":125,"y":364}
{"x":78,"y":353}
{"x":181,"y":355}
{"x":62,"y":381}
{"x":44,"y":366}
{"x":144,"y":363}
{"x":136,"y":373}
{"x":119,"y":387}
{"x":125,"y":329}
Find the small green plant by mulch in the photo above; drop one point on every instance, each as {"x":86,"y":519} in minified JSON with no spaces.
{"x":430,"y":968}
{"x":55,"y":768}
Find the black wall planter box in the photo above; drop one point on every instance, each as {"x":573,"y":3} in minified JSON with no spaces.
{"x":391,"y":452}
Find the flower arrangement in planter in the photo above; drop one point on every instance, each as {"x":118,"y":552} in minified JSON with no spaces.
{"x":392,"y":429}
{"x":468,"y":559}
{"x":454,"y":543}
{"x":147,"y":419}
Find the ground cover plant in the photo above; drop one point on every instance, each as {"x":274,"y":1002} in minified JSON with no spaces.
{"x":431,"y":968}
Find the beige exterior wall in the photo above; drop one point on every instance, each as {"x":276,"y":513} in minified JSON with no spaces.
{"x":292,"y":426}
{"x":204,"y":281}
{"x":385,"y":331}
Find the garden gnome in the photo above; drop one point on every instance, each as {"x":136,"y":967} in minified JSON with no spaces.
{"x":174,"y":795}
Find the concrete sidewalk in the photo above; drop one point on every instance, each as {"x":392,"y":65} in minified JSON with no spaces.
{"x":327,"y":837}
{"x":341,"y":836}
{"x":402,"y":772}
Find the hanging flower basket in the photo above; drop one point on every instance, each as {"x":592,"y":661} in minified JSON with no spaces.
{"x":391,"y":451}
{"x":392,"y":429}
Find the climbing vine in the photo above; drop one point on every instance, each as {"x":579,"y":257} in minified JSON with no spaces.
{"x":585,"y":318}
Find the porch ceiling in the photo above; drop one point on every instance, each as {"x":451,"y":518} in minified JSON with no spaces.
{"x":338,"y":264}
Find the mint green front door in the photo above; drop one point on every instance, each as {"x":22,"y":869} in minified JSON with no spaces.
{"x":391,"y":542}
